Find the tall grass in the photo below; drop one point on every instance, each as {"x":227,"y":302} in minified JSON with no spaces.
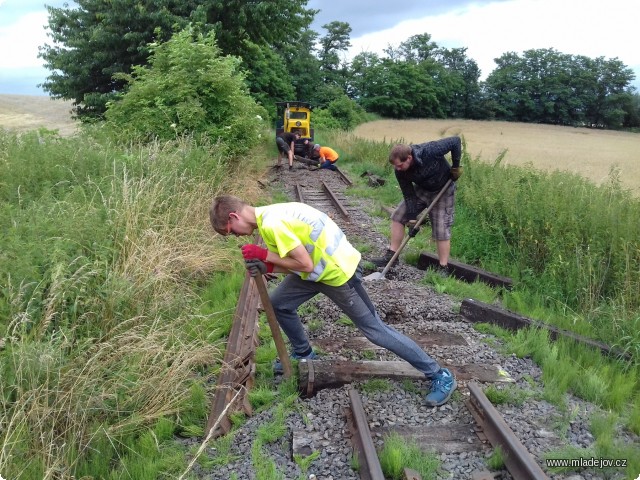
{"x":571,"y":247}
{"x":106,"y":251}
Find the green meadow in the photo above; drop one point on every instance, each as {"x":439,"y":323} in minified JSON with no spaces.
{"x":116,"y":297}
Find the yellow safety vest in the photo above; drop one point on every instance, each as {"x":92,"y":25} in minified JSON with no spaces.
{"x":284,"y":226}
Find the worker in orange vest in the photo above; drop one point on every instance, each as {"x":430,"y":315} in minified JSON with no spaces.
{"x":327,"y":156}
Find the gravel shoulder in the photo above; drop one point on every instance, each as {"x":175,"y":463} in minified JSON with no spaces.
{"x":413,"y":309}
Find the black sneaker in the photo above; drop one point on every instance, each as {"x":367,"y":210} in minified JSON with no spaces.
{"x":290,"y":167}
{"x":382,"y":261}
{"x":443,"y":271}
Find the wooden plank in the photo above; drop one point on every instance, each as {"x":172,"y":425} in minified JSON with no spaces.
{"x":360,"y":343}
{"x":411,"y":474}
{"x":462,"y":271}
{"x":450,"y":438}
{"x":334,"y":373}
{"x":238,"y":368}
{"x":479,"y":312}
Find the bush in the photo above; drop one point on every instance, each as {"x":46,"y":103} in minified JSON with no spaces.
{"x":188,"y":89}
{"x":341,"y":113}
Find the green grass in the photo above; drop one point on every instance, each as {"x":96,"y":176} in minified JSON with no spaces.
{"x":496,"y":460}
{"x":507,"y":394}
{"x":346,"y":321}
{"x":376,"y":385}
{"x":116,"y":299}
{"x":399,"y":453}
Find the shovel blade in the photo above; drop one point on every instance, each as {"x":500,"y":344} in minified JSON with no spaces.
{"x":373,"y":276}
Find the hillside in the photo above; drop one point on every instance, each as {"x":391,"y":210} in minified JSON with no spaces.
{"x":30,"y":112}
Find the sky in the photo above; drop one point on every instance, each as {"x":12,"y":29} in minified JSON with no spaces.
{"x":486,"y":28}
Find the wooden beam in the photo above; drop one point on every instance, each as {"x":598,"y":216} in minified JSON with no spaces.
{"x":314,"y":375}
{"x":479,"y":312}
{"x":462,"y":271}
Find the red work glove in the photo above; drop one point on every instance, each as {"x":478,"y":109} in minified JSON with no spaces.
{"x":251,"y":250}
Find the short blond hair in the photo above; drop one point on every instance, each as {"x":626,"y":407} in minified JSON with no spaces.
{"x":220,"y":209}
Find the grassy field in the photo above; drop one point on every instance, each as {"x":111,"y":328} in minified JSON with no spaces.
{"x":116,"y":299}
{"x":588,"y":152}
{"x":30,"y":112}
{"x":591,"y":153}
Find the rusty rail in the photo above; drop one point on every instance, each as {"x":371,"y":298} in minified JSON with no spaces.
{"x":370,"y":468}
{"x":343,"y":177}
{"x":517,"y":459}
{"x":334,"y":199}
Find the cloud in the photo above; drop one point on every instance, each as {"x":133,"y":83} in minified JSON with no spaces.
{"x":487,"y":31}
{"x":365,"y":16}
{"x":19,"y":41}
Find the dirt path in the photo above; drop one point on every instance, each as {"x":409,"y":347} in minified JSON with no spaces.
{"x":30,"y":112}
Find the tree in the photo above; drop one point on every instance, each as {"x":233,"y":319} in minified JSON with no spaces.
{"x":417,"y":48}
{"x":335,"y":41}
{"x":98,"y":39}
{"x":551,"y":87}
{"x":189,"y":88}
{"x":267,"y":78}
{"x":274,"y":23}
{"x":304,"y":67}
{"x":464,"y":94}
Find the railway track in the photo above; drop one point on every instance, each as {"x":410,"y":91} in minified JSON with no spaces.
{"x":344,"y":417}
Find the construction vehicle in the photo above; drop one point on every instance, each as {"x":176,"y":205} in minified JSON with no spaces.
{"x":296,"y":117}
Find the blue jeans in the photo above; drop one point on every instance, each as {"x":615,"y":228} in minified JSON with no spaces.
{"x":353,"y":300}
{"x":327,"y":164}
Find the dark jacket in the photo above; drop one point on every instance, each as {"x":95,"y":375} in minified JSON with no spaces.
{"x":430,"y":169}
{"x":288,"y":137}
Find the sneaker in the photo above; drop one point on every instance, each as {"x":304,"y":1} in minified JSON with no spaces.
{"x":443,"y":271}
{"x":290,"y":167}
{"x":277,"y":365}
{"x":442,"y":386}
{"x":382,"y":261}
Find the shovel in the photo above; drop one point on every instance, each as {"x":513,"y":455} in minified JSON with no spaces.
{"x":407,"y":237}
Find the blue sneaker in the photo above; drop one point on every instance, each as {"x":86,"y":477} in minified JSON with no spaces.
{"x":277,"y":365}
{"x":442,"y":386}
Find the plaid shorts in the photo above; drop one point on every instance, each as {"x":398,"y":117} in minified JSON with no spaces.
{"x":440,"y":216}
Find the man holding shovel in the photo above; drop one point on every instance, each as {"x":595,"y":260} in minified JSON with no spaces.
{"x":308,"y":246}
{"x":422,"y":172}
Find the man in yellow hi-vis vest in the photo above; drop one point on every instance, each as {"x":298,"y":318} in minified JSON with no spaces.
{"x":310,"y":247}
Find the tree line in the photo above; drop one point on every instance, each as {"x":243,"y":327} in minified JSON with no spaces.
{"x":97,"y":45}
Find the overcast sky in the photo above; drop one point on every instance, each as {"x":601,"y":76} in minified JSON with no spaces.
{"x":593,"y":28}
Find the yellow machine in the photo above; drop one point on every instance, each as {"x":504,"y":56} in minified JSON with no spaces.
{"x":296,"y":117}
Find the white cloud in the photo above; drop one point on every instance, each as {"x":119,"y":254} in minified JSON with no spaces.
{"x":575,"y":27}
{"x":19,"y":41}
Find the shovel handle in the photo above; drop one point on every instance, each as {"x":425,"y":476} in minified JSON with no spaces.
{"x":419,"y":221}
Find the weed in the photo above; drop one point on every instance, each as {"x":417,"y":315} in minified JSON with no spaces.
{"x":346,"y":321}
{"x":409,"y":386}
{"x":315,"y":325}
{"x":376,"y":385}
{"x":399,"y":453}
{"x":261,"y":396}
{"x":508,"y":394}
{"x":368,"y":354}
{"x":496,"y":460}
{"x":304,"y":462}
{"x":264,"y":467}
